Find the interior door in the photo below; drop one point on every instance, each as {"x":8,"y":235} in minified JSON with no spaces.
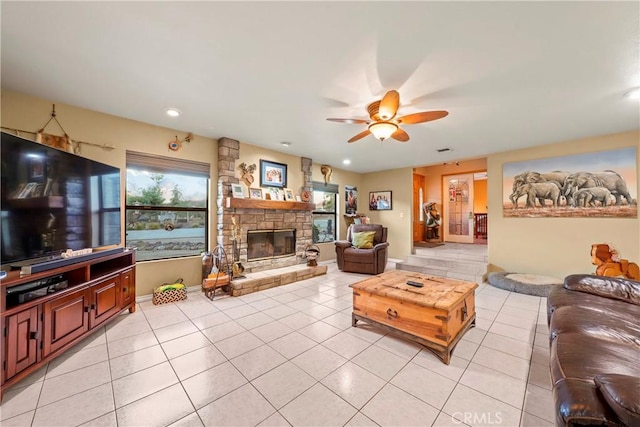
{"x":458,"y":208}
{"x":418,"y":200}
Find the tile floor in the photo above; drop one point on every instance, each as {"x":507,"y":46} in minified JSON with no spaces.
{"x":289,"y":356}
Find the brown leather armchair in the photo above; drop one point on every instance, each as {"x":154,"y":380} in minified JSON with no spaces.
{"x":368,"y":261}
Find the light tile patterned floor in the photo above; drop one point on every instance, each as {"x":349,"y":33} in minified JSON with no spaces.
{"x":289,"y":356}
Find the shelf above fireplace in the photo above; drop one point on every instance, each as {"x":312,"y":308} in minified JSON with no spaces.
{"x":233,"y":202}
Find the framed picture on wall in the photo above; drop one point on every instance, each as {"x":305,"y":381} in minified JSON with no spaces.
{"x":380,"y":201}
{"x":351,"y":199}
{"x":273,"y":174}
{"x":595,"y":184}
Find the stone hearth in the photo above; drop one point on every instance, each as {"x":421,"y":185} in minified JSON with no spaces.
{"x":276,"y":277}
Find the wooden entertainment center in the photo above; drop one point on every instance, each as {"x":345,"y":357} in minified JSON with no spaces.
{"x":40,"y":329}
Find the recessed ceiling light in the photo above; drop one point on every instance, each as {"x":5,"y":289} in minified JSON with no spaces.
{"x":633,"y":93}
{"x":285,"y":144}
{"x":172,"y":112}
{"x":346,"y":162}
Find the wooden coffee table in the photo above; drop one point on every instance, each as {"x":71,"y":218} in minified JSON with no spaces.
{"x":436,"y":315}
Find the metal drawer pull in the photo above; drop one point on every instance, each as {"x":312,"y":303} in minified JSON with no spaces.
{"x":392,"y":313}
{"x":33,"y":335}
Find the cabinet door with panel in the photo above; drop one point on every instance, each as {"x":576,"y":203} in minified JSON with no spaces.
{"x":21,"y":341}
{"x":105,"y":300}
{"x":65,"y":319}
{"x":128,"y":288}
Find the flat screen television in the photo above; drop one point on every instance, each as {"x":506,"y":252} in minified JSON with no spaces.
{"x":52,"y":200}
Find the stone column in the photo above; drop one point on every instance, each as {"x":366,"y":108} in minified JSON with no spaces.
{"x":305,"y":167}
{"x":228,"y":153}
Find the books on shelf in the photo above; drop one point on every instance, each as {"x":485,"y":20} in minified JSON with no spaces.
{"x":32,"y":189}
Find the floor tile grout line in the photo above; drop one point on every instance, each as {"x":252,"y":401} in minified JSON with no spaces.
{"x":113,"y":392}
{"x":67,"y":397}
{"x":491,"y":322}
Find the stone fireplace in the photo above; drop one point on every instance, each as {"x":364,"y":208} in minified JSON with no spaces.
{"x":260,"y":217}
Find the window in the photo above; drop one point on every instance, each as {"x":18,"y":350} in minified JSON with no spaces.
{"x":167,"y":206}
{"x":325,"y":197}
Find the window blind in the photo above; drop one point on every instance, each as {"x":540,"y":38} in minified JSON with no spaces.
{"x":162,"y":164}
{"x":327,"y":188}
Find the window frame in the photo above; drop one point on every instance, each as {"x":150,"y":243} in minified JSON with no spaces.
{"x":166,"y":165}
{"x":327,"y":189}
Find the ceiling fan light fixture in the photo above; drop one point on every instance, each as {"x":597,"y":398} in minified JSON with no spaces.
{"x":383,"y":130}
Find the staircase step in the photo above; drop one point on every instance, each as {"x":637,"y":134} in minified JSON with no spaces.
{"x":481,"y":256}
{"x":443,"y":272}
{"x":462,"y":265}
{"x":455,"y":261}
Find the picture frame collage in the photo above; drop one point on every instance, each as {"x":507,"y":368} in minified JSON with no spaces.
{"x":273,"y":176}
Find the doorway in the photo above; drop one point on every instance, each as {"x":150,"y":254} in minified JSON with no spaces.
{"x":458,"y":219}
{"x":418,"y":213}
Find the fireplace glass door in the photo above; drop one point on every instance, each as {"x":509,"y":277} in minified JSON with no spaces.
{"x":266,"y":244}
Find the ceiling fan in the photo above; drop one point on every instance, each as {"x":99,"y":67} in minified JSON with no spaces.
{"x":383,"y":122}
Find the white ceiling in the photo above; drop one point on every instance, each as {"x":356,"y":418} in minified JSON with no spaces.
{"x":511,"y":74}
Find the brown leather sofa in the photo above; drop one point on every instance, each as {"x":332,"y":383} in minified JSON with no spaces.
{"x":594,"y":326}
{"x":368,"y":261}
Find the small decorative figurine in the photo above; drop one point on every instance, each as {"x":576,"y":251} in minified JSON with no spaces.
{"x":326,"y":173}
{"x":247,"y":173}
{"x":608,"y":263}
{"x":432,"y":220}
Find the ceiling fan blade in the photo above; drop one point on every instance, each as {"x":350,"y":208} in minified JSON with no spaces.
{"x":400,"y":135}
{"x":389,"y":105}
{"x":360,"y":135}
{"x":353,"y":121}
{"x":425,"y":116}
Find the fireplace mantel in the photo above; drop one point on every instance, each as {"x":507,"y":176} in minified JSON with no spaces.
{"x":234,"y":202}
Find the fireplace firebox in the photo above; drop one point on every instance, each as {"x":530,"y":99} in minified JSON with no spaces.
{"x":267,"y":244}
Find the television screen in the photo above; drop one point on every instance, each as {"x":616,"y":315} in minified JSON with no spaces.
{"x":52,"y":201}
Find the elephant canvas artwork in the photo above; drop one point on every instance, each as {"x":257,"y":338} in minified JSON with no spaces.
{"x":600,"y":184}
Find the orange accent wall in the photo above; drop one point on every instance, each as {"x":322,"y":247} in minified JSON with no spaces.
{"x":433,"y":177}
{"x":480,"y":196}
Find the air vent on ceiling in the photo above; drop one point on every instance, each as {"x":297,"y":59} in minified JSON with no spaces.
{"x":442,"y":150}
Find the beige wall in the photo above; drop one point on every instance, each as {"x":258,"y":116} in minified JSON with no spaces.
{"x":21,"y":111}
{"x":29,"y":113}
{"x":555,"y":246}
{"x":551,"y":246}
{"x":398,"y":219}
{"x":251,"y":154}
